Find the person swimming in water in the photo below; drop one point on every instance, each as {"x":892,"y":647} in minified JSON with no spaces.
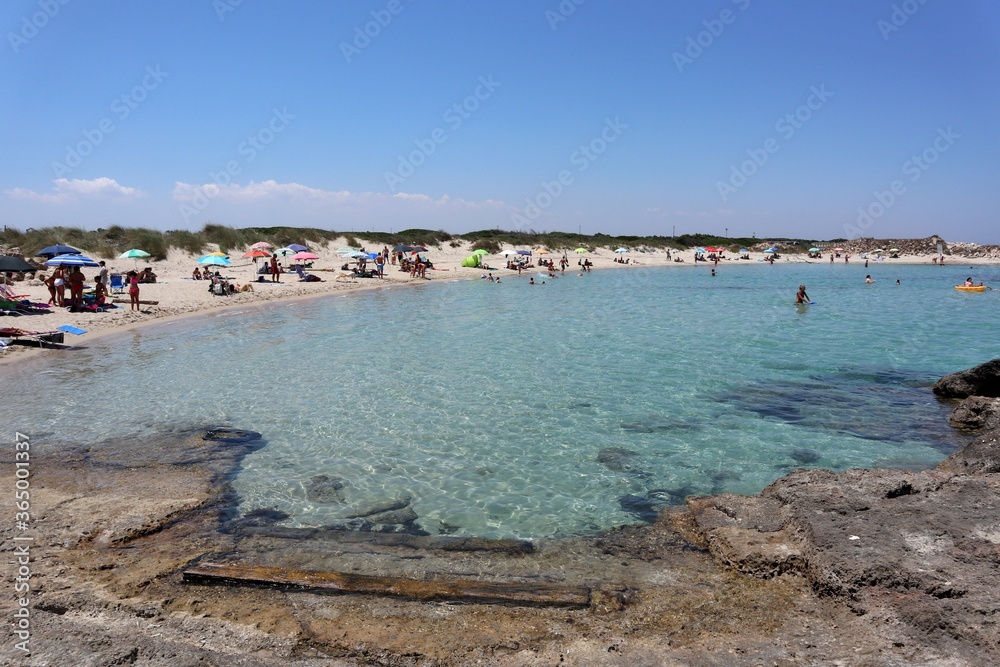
{"x":801,"y":296}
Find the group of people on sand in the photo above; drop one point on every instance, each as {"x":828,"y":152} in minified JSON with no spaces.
{"x":62,"y":276}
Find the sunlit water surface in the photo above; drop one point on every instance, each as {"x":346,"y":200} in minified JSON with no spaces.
{"x":539,"y":411}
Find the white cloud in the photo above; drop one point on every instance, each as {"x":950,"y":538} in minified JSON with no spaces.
{"x":66,"y":190}
{"x":298,"y":193}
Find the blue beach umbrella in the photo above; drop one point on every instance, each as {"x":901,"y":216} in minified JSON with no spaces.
{"x":297,"y":247}
{"x":54,"y":250}
{"x":523,"y":252}
{"x":213,"y":260}
{"x":71,"y":260}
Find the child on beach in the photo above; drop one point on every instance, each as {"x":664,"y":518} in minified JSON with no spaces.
{"x":133,"y":290}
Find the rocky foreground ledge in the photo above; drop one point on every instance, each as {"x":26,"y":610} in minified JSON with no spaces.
{"x":916,"y":550}
{"x":864,"y":567}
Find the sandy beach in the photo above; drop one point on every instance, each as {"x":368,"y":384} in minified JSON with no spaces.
{"x":176,"y":294}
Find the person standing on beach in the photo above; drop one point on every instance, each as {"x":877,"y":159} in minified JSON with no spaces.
{"x":380,"y":265}
{"x":102,"y":277}
{"x":275,"y":269}
{"x":59,"y":281}
{"x":133,"y":290}
{"x":76,"y":281}
{"x":50,"y":282}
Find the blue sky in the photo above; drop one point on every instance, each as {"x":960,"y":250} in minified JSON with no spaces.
{"x":804,"y":119}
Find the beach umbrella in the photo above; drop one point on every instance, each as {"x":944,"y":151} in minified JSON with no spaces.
{"x":621,"y":250}
{"x":304,"y":256}
{"x":581,"y":250}
{"x":770,"y":251}
{"x":213,"y":260}
{"x":14,"y":264}
{"x":838,"y":250}
{"x":400,"y":248}
{"x":355,"y":254}
{"x":894,"y":250}
{"x":54,"y":250}
{"x":297,"y":247}
{"x":134,"y":253}
{"x":261,"y":245}
{"x":254,"y":254}
{"x":523,"y":252}
{"x":71,"y":260}
{"x":507,"y":253}
{"x":347,"y":249}
{"x":543,"y":251}
{"x":419,"y":248}
{"x":744,"y":251}
{"x":814,"y":250}
{"x":877,"y":250}
{"x":713,"y":249}
{"x":480,"y":252}
{"x":285,"y":252}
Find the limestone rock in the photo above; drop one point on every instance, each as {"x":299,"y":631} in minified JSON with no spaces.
{"x":983,"y":380}
{"x":977,"y":412}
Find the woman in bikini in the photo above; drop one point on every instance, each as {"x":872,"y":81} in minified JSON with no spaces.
{"x":59,"y":281}
{"x":133,"y":289}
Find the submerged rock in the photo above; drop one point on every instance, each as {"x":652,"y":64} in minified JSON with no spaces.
{"x":231,"y":435}
{"x":400,"y":516}
{"x":325,"y":489}
{"x":983,"y":380}
{"x":805,"y":456}
{"x":617,"y":459}
{"x":262,"y":516}
{"x":378,"y":507}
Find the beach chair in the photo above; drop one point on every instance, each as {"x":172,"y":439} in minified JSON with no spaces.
{"x":117,"y":285}
{"x":7,"y":294}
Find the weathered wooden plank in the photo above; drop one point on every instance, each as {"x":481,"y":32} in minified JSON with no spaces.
{"x":453,"y":590}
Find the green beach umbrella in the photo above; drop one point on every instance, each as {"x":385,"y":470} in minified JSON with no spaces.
{"x":814,"y":250}
{"x":581,"y":250}
{"x":480,"y":252}
{"x":134,"y":254}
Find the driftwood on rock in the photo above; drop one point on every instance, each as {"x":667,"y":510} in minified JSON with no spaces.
{"x":452,"y":590}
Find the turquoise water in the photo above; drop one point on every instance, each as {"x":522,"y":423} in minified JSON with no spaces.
{"x":539,"y":411}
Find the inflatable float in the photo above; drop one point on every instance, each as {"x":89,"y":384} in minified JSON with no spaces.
{"x":971,"y":288}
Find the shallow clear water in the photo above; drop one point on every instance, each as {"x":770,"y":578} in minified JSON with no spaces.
{"x":532,"y":411}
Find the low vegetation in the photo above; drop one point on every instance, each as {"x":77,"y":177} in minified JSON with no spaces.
{"x":116,"y":240}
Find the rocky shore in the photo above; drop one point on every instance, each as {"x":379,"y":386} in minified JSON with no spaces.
{"x":863,"y":567}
